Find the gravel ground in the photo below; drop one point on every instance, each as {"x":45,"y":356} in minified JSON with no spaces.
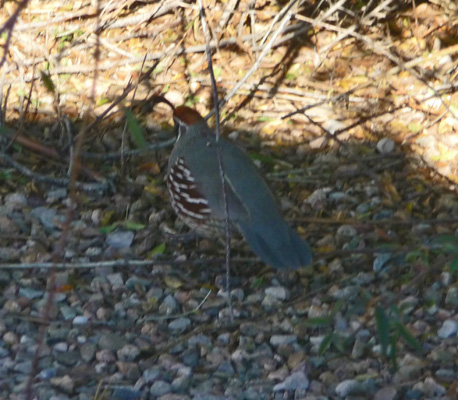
{"x":162,"y":331}
{"x":383,"y":231}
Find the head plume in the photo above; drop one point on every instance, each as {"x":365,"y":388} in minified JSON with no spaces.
{"x":186,"y":115}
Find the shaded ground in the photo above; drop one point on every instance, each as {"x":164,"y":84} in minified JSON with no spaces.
{"x":382,"y":221}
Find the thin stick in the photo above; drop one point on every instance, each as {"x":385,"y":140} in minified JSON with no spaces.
{"x":87,"y":187}
{"x":220,"y":159}
{"x":256,"y":65}
{"x":60,"y":245}
{"x":8,"y":28}
{"x":121,"y":263}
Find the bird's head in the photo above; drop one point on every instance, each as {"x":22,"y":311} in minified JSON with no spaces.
{"x":185,"y":119}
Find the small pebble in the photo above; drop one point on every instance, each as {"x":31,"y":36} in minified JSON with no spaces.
{"x":277,"y":340}
{"x":448,"y":329}
{"x":129,"y":352}
{"x":296,"y":381}
{"x":386,"y":393}
{"x":179,"y":325}
{"x":150,"y":375}
{"x":349,"y":387}
{"x":120,"y":240}
{"x":346,"y":231}
{"x":80,"y":320}
{"x":278,"y":292}
{"x":386,"y":146}
{"x":160,"y":388}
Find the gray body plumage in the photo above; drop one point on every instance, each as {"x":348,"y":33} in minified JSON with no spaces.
{"x":252,"y":207}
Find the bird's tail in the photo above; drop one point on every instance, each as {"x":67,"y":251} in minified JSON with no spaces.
{"x":276,"y":244}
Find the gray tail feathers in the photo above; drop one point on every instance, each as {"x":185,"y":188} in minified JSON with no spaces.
{"x":277,"y":244}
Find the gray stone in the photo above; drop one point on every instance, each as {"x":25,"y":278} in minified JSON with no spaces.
{"x":202,"y":340}
{"x":111,"y":341}
{"x":169,"y":305}
{"x":87,"y":351}
{"x":65,"y":383}
{"x":277,"y":340}
{"x":24,"y":367}
{"x":69,"y":358}
{"x":80,"y":320}
{"x":159,"y":388}
{"x":120,"y":239}
{"x":451,"y":298}
{"x":346,"y":231}
{"x":67,"y":312}
{"x":115,"y":280}
{"x":295,"y":381}
{"x":54,"y":195}
{"x":47,"y":216}
{"x":60,"y":347}
{"x":180,"y":383}
{"x":446,"y":375}
{"x":15,"y":200}
{"x":358,"y":349}
{"x":349,"y":387}
{"x":190,"y":357}
{"x":125,"y":393}
{"x":278,"y":292}
{"x":448,"y":329}
{"x":179,"y":325}
{"x":129,"y":352}
{"x":150,"y":375}
{"x":47,"y":373}
{"x":430,"y":388}
{"x":386,"y":393}
{"x":407,"y":373}
{"x":30,"y":293}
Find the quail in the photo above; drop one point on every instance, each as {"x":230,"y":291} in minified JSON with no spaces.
{"x":196,"y":191}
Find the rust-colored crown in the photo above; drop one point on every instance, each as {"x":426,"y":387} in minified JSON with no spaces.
{"x":187,"y":115}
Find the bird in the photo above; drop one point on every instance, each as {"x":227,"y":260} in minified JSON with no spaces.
{"x":195,"y":186}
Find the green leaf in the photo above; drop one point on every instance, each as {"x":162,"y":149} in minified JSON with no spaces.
{"x":383,"y":328}
{"x":217,"y":71}
{"x":445,"y":239}
{"x":262,"y":157}
{"x":414,"y":127}
{"x":454,"y":265}
{"x":133,"y":226}
{"x":109,"y":228}
{"x":394,"y":350}
{"x":5,"y":130}
{"x":257,"y":283}
{"x":325,"y":344}
{"x":338,"y":305}
{"x":159,"y":249}
{"x":102,"y":101}
{"x":190,"y":25}
{"x":447,"y":243}
{"x":318,"y":322}
{"x":135,"y":130}
{"x":266,"y":119}
{"x":6,"y":175}
{"x":47,"y":81}
{"x":339,"y":343}
{"x":414,"y":256}
{"x":411,"y":340}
